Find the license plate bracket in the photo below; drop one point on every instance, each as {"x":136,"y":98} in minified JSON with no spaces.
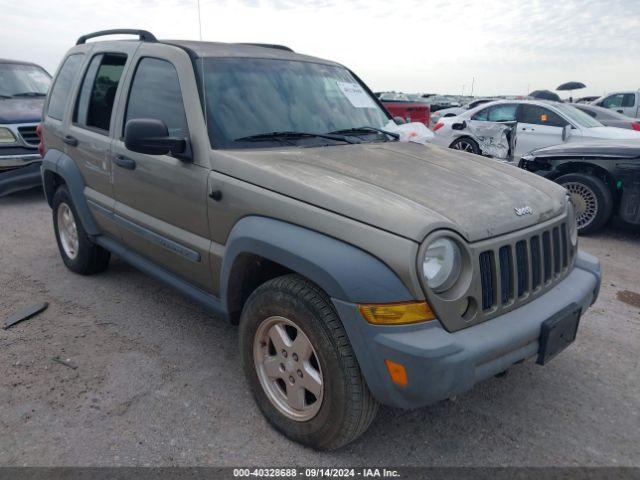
{"x":558,"y":332}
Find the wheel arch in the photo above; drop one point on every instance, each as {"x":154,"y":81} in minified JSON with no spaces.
{"x":577,"y":166}
{"x":261,"y":248}
{"x":57,"y":169}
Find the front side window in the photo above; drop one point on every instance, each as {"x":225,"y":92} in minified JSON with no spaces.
{"x":505,"y":112}
{"x":155,"y":93}
{"x":578,"y":117}
{"x":19,"y":80}
{"x":98,"y":92}
{"x":538,"y":115}
{"x":247,"y":96}
{"x":613,"y":101}
{"x":62,"y":86}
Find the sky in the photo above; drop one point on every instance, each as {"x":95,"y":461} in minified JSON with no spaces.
{"x":505,"y":47}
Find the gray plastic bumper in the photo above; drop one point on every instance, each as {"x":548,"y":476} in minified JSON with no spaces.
{"x":440,"y":364}
{"x":22,"y":178}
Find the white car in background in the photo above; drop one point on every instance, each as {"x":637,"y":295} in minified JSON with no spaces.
{"x":540,"y":124}
{"x":455,"y":111}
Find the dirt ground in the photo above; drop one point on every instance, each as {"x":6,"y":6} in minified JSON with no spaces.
{"x":150,"y":379}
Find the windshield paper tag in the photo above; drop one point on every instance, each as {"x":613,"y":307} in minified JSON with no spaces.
{"x":356,"y":95}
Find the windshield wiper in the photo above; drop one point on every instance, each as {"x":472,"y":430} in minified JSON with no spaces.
{"x":291,"y":135}
{"x":30,"y":94}
{"x":357,"y":130}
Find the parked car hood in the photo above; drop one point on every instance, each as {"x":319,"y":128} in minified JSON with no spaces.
{"x":404,"y":188}
{"x":613,"y":133}
{"x":21,"y":110}
{"x":611,"y":149}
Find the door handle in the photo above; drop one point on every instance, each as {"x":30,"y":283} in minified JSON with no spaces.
{"x":125,"y":162}
{"x":69,"y":140}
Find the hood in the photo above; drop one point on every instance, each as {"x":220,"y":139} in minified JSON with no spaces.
{"x":21,"y":110}
{"x":404,"y":188}
{"x":612,"y":133}
{"x":602,"y":148}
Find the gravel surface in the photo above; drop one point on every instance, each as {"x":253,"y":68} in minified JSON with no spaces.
{"x":158,"y":382}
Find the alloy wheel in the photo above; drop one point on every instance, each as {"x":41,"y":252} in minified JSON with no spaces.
{"x":584,"y":201}
{"x":288,"y":368}
{"x":67,"y":230}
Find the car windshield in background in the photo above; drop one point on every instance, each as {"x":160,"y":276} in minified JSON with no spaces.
{"x":23,"y":80}
{"x":577,"y":116}
{"x":249,"y":97}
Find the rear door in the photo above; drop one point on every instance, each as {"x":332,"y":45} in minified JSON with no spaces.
{"x":91,"y":129}
{"x":538,"y":127}
{"x":161,"y":200}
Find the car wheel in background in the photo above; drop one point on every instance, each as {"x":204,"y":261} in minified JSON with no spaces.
{"x":78,"y":253}
{"x":300,"y":366}
{"x":466,"y":144}
{"x":591,"y":198}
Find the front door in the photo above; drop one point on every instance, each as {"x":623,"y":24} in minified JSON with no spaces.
{"x":161,"y":200}
{"x":538,"y":127}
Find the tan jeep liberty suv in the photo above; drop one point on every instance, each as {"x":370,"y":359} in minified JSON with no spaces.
{"x":264,"y":185}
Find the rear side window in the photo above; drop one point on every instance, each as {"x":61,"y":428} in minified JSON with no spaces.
{"x":95,"y":102}
{"x":629,"y":100}
{"x":62,"y":86}
{"x":537,"y":115}
{"x":155,"y":93}
{"x":498,"y":113}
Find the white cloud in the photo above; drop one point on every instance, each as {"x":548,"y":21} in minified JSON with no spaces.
{"x":411,"y":45}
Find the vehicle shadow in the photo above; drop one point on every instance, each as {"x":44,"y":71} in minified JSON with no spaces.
{"x":24,"y":197}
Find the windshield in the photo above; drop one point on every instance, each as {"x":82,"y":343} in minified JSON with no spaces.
{"x":577,"y":116}
{"x":18,"y":79}
{"x":246,"y":97}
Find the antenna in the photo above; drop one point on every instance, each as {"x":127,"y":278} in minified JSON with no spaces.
{"x":199,"y":21}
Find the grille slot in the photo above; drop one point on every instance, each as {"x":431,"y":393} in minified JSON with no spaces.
{"x":510,"y":273}
{"x":536,"y":276}
{"x":506,"y":278}
{"x":522,"y":265}
{"x":29,"y":135}
{"x":486,"y":279}
{"x":546,"y":255}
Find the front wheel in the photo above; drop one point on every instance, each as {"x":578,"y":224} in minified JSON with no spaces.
{"x":300,"y":365}
{"x":591,"y":199}
{"x":466,"y":144}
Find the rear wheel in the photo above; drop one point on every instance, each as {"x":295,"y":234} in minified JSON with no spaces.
{"x":466,"y":144}
{"x":591,"y":198}
{"x":300,"y":366}
{"x":78,"y":252}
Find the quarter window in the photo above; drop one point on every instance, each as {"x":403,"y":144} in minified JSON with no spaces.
{"x":537,"y":115}
{"x":95,"y":102}
{"x":62,"y":86}
{"x":155,"y":93}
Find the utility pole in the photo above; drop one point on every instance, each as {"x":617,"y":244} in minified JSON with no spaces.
{"x":473,"y":81}
{"x":199,"y":21}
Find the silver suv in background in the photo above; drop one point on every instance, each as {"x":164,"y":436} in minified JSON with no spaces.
{"x":263,"y":185}
{"x":627,"y":103}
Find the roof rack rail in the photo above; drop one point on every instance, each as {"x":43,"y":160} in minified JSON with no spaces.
{"x":268,"y":45}
{"x":144,"y":35}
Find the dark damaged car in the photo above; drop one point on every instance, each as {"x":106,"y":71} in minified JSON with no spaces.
{"x":23,"y":89}
{"x":602,"y":178}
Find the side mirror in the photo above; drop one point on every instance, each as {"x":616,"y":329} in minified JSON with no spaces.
{"x":399,"y":120}
{"x":566,"y":132}
{"x":459,"y":126}
{"x":151,"y":136}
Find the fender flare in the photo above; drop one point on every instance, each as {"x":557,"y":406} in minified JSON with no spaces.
{"x":342,"y":270}
{"x":62,"y":165}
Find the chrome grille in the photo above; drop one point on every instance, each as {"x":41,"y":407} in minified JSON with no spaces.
{"x":512,"y":272}
{"x":29,"y":135}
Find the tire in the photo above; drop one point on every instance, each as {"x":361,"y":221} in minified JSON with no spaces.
{"x":342,"y":408}
{"x":591,"y":198}
{"x":78,"y":252}
{"x":466,"y":144}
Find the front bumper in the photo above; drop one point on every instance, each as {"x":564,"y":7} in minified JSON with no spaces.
{"x":20,"y":178}
{"x":441,"y":364}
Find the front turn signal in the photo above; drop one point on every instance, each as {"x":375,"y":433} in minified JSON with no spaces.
{"x":396,"y":313}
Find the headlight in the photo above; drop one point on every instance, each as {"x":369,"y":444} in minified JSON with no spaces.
{"x":573,"y":225}
{"x":6,"y":136}
{"x":442,"y":264}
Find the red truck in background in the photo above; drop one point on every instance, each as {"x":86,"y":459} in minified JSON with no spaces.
{"x":403,"y":106}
